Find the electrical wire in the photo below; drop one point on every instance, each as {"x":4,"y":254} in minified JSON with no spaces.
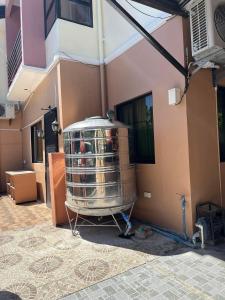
{"x":187,"y":84}
{"x":155,"y":17}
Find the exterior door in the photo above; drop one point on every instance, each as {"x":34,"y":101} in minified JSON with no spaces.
{"x":51,"y":145}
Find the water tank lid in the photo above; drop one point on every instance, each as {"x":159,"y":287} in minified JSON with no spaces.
{"x":95,"y":122}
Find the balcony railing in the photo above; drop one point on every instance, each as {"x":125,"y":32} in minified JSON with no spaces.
{"x":77,"y":11}
{"x":15,"y":59}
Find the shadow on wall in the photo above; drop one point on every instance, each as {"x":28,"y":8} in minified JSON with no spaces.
{"x":40,"y":192}
{"x":4,"y":295}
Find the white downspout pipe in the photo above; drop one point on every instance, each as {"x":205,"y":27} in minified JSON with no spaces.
{"x":101,"y":57}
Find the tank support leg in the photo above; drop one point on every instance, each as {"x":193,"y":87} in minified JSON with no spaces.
{"x":68,"y":216}
{"x":126,"y":218}
{"x":75,"y":232}
{"x":117,"y":224}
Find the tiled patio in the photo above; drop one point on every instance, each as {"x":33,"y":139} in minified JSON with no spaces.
{"x":22,"y":215}
{"x":39,"y":261}
{"x":44,"y":262}
{"x":183,"y":274}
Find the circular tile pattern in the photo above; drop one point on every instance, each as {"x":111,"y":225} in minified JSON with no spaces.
{"x":104,"y":248}
{"x":46,"y":265}
{"x":67,"y":245}
{"x":48,"y":229}
{"x":92,"y":270}
{"x":32,"y":242}
{"x":5,"y":239}
{"x":23,"y":290}
{"x":9,"y":260}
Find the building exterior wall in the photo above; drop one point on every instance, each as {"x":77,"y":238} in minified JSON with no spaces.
{"x":47,"y":94}
{"x":186,"y":135}
{"x":73,"y":40}
{"x":142,"y":70}
{"x":119,"y":37}
{"x":80,"y":92}
{"x":71,"y":87}
{"x":203,"y":140}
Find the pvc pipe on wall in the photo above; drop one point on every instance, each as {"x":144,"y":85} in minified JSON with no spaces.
{"x":101,"y":57}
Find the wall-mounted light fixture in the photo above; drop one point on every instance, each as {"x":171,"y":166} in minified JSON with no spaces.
{"x":55,"y":127}
{"x":111,"y":115}
{"x":40,"y":133}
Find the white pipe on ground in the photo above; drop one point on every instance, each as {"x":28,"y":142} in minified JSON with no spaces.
{"x":202,"y":234}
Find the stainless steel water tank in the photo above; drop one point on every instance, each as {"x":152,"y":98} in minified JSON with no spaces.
{"x":100,"y":180}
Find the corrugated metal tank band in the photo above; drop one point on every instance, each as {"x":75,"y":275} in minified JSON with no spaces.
{"x":99,"y":177}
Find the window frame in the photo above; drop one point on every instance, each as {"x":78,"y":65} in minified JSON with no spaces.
{"x":79,"y":23}
{"x":221,"y":144}
{"x":46,"y":14}
{"x":59,"y":16}
{"x":141,"y":160}
{"x":34,"y":148}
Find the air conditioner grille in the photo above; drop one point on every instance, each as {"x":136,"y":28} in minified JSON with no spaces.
{"x":2,"y":110}
{"x":219,"y":18}
{"x":199,"y":26}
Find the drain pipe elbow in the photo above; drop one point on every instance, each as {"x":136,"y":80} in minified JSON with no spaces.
{"x":200,"y":226}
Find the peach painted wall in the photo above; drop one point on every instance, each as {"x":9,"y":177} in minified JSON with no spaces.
{"x":203,"y":140}
{"x":45,"y":95}
{"x":75,"y":90}
{"x":141,"y":70}
{"x":33,"y":32}
{"x":10,"y":148}
{"x":80,"y":92}
{"x":58,"y":188}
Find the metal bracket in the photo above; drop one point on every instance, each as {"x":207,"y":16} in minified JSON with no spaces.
{"x":171,"y":7}
{"x":149,"y":37}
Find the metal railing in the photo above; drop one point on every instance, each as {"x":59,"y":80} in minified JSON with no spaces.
{"x":15,"y":59}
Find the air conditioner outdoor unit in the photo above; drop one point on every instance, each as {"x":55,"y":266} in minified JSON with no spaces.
{"x":7,"y":111}
{"x":207,"y":19}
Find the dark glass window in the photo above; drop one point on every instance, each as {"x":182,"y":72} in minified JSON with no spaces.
{"x":221,"y":121}
{"x":37,"y":143}
{"x":77,"y":11}
{"x":50,"y":15}
{"x":138,"y":113}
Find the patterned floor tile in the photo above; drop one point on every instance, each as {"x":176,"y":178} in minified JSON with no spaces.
{"x":14,"y":216}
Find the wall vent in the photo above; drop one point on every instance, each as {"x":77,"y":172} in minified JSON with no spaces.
{"x":199,"y":26}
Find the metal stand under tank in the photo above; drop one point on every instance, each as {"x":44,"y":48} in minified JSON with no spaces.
{"x":84,"y":222}
{"x":99,"y":177}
